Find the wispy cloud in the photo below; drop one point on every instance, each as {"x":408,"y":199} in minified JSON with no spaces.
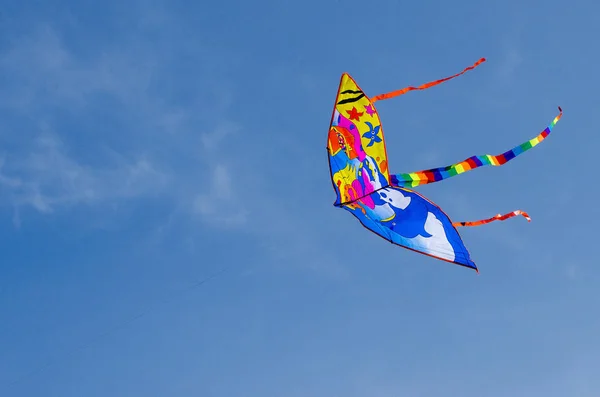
{"x":47,"y":177}
{"x":572,"y":271}
{"x":109,"y":125}
{"x":510,"y":63}
{"x":511,"y":52}
{"x":220,"y":204}
{"x":88,"y":129}
{"x":46,"y":75}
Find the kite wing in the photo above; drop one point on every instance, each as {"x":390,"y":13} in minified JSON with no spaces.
{"x":357,"y":155}
{"x":359,"y":173}
{"x":408,"y":219}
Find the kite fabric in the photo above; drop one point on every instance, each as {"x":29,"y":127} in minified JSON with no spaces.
{"x":383,"y":202}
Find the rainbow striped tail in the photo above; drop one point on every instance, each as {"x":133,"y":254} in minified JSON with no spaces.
{"x":438,"y":174}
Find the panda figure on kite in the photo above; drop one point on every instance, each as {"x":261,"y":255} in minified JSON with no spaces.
{"x":384,"y":202}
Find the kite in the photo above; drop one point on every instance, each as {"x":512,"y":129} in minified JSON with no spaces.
{"x":385,"y":203}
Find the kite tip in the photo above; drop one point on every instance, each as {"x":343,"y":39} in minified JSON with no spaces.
{"x":560,"y":109}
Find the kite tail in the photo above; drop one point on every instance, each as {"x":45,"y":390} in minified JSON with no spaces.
{"x":424,"y":86}
{"x":494,"y":218}
{"x":437,"y":174}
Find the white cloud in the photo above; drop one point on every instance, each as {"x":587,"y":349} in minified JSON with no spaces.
{"x":220,"y":204}
{"x":572,"y":271}
{"x":48,"y":177}
{"x":110,"y":125}
{"x":211,"y":140}
{"x":39,"y":166}
{"x":141,"y":140}
{"x":511,"y":58}
{"x":509,"y":64}
{"x":46,"y":74}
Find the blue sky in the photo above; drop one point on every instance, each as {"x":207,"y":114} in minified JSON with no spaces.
{"x":145,"y":146}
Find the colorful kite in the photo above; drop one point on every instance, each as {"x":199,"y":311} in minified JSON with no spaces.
{"x":383,"y":202}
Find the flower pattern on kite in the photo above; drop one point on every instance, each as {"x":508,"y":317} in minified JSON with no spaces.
{"x":383,"y":202}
